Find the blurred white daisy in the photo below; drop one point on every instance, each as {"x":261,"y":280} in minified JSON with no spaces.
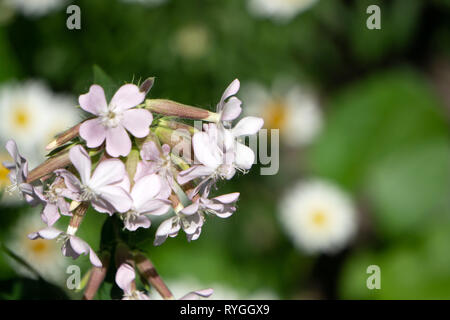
{"x":43,"y":255}
{"x":288,"y":107}
{"x":318,"y":216}
{"x":31,"y":114}
{"x":179,"y":287}
{"x":191,"y":41}
{"x":281,"y":10}
{"x":35,"y":7}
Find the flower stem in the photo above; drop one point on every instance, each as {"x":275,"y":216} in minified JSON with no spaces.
{"x":96,"y":278}
{"x":149,"y":273}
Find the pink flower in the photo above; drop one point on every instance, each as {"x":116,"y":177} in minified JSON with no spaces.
{"x":231,"y":109}
{"x":188,"y":219}
{"x":215,"y":161}
{"x":54,"y":201}
{"x":72,"y":245}
{"x":222,"y":206}
{"x":103,"y":188}
{"x":115,"y":119}
{"x":19,"y":173}
{"x":147,"y":200}
{"x":156,"y":161}
{"x":125,"y":276}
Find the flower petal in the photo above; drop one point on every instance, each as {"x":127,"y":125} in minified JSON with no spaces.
{"x":231,"y":110}
{"x":94,"y":101}
{"x":193,"y":173}
{"x":126,"y":97}
{"x":93,"y":132}
{"x":196,"y":295}
{"x":50,"y":214}
{"x":248,"y":126}
{"x":207,"y":152}
{"x":228,"y":198}
{"x":82,"y":162}
{"x":47,"y":233}
{"x":169,"y":227}
{"x":145,"y":189}
{"x":125,"y":275}
{"x":150,"y":151}
{"x":244,"y":156}
{"x":137,"y":122}
{"x":117,"y":197}
{"x":108,"y":172}
{"x":231,"y":90}
{"x":118,"y":142}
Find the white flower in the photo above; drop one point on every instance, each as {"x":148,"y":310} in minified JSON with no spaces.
{"x":44,"y":256}
{"x":280,"y":10}
{"x":287,"y":107}
{"x":31,"y":114}
{"x":35,"y":7}
{"x":318,"y":216}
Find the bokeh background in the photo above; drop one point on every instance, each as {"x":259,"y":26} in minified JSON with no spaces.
{"x":364,"y":111}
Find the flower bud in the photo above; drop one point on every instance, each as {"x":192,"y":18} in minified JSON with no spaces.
{"x":172,"y":108}
{"x":64,"y":137}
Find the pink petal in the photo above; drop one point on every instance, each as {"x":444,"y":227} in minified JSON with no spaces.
{"x":150,"y":151}
{"x":155,"y":207}
{"x":108,"y":172}
{"x":126,"y":97}
{"x":137,"y":222}
{"x":196,"y":295}
{"x":125,"y":275}
{"x":93,"y":132}
{"x":71,"y":181}
{"x":166,"y":228}
{"x":244,"y":156}
{"x":115,"y":196}
{"x":248,"y":126}
{"x":232,"y":89}
{"x":193,"y":173}
{"x":137,"y":122}
{"x":191,"y":209}
{"x":82,"y":162}
{"x":231,"y":110}
{"x":228,"y":198}
{"x":50,"y":214}
{"x":47,"y":233}
{"x":205,"y":151}
{"x":118,"y":142}
{"x":81,"y":247}
{"x":94,"y":101}
{"x":145,"y":189}
{"x":144,"y":168}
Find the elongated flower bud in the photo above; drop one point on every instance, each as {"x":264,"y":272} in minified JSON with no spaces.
{"x":172,"y":108}
{"x":50,"y":165}
{"x":147,"y":85}
{"x":64,"y":137}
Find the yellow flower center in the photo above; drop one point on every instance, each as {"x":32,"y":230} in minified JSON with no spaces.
{"x":39,"y":246}
{"x":4,"y":180}
{"x":21,"y":117}
{"x":275,"y":114}
{"x":319,"y":219}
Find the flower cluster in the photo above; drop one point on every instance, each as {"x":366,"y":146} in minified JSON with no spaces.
{"x":122,"y":161}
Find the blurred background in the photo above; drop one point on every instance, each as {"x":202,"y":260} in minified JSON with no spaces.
{"x":364,"y":173}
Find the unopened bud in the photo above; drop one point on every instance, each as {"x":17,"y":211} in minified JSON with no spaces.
{"x":50,"y":165}
{"x":64,"y":137}
{"x":172,"y":108}
{"x":147,"y":85}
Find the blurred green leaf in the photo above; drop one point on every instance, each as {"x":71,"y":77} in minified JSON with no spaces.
{"x":105,"y":81}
